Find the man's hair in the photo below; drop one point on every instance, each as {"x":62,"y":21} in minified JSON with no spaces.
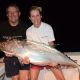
{"x":36,"y":8}
{"x":12,"y":5}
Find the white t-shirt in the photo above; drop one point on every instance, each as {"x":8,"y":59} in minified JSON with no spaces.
{"x":43,"y":34}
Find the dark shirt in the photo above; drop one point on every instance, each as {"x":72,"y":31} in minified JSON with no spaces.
{"x":9,"y":32}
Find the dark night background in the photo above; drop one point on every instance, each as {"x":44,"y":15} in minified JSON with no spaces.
{"x":62,"y":15}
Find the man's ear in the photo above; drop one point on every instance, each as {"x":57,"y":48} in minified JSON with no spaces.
{"x":19,"y":13}
{"x":41,"y":16}
{"x":29,"y":18}
{"x":7,"y":15}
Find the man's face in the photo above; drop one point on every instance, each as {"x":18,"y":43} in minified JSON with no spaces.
{"x":35,"y":17}
{"x":13,"y":14}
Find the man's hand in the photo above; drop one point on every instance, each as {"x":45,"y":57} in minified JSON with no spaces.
{"x":8,"y":54}
{"x":25,"y":60}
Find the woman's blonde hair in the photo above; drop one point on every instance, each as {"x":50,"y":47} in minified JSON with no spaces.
{"x":36,"y":8}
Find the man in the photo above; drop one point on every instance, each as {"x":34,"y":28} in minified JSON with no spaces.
{"x":43,"y":33}
{"x":14,"y":29}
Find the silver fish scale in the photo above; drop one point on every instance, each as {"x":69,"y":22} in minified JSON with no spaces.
{"x":39,"y":54}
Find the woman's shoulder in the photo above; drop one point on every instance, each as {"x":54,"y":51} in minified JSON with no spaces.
{"x":48,"y":26}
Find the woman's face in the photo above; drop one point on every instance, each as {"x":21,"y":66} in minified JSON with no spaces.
{"x":35,"y":18}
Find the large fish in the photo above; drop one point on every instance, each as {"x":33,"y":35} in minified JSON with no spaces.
{"x":39,"y":54}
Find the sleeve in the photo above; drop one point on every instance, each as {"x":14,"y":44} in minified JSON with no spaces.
{"x":50,"y":34}
{"x":28,"y":34}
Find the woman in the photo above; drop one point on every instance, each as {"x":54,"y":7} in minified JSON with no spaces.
{"x":43,"y":33}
